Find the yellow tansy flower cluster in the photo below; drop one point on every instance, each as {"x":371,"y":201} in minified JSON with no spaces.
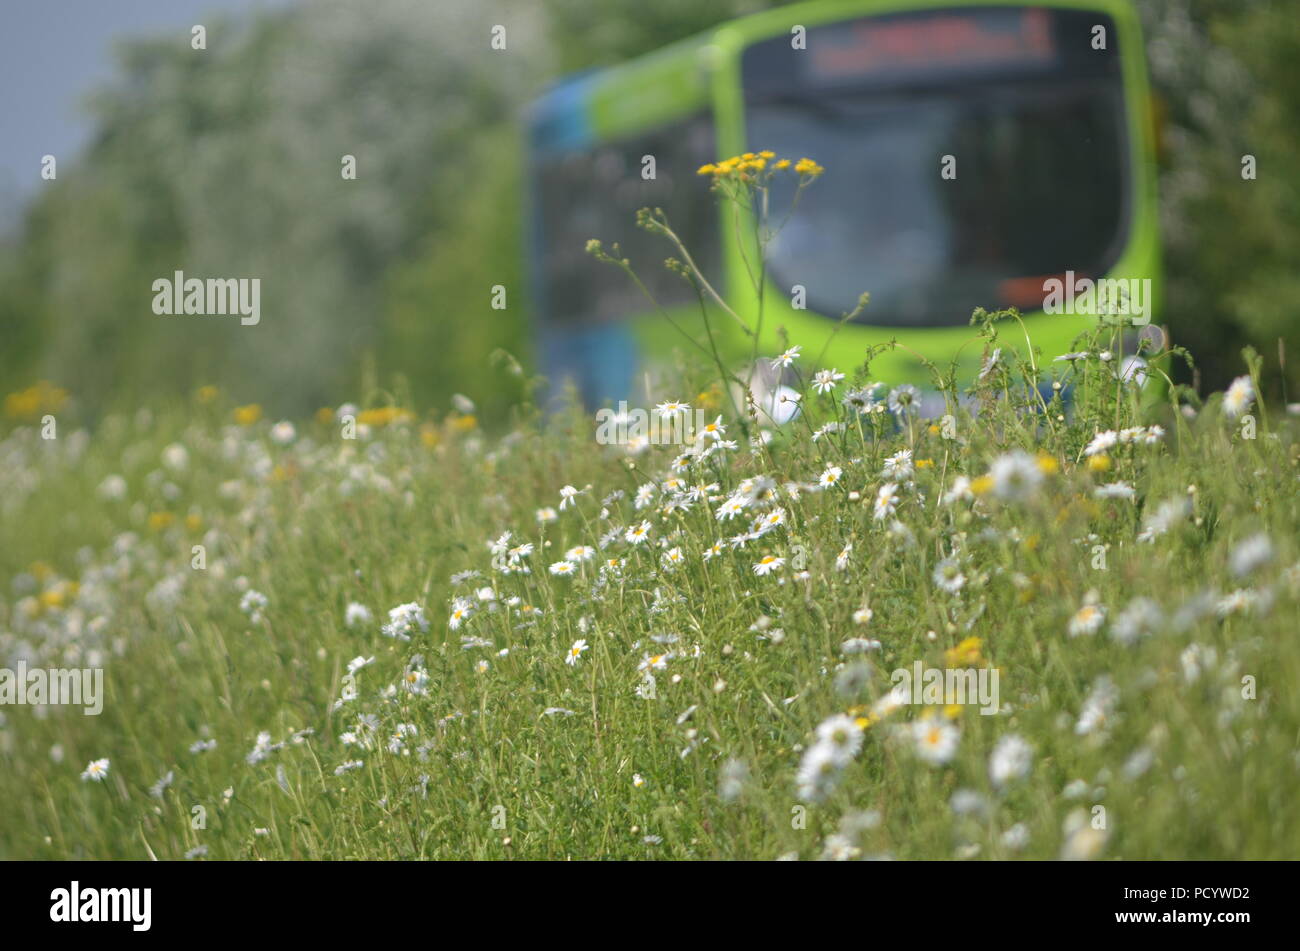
{"x":751,"y":165}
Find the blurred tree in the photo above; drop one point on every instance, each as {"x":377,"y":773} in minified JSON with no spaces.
{"x":477,"y":246}
{"x":1229,"y":71}
{"x":227,"y":163}
{"x":588,"y":34}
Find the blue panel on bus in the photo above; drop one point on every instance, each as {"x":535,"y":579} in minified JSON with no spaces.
{"x":559,"y":120}
{"x":600,"y":362}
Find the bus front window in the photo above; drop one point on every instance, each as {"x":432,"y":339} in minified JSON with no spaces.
{"x":950,"y":182}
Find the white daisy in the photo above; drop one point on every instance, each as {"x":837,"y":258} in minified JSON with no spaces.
{"x":1255,"y":552}
{"x":713,"y":430}
{"x":461,"y":610}
{"x":283,"y":433}
{"x":904,"y":399}
{"x":860,"y":645}
{"x":1240,"y":396}
{"x":948,"y":575}
{"x":654,"y":662}
{"x":1115,"y":490}
{"x":356,"y":663}
{"x":819,"y":772}
{"x":936,"y":740}
{"x":637,"y":534}
{"x":1140,"y":617}
{"x":732,"y":507}
{"x":824,"y":380}
{"x":787,"y":358}
{"x":1087,"y":620}
{"x":1101,"y":442}
{"x":886,"y":501}
{"x":405,"y":620}
{"x":1010,"y":760}
{"x":1015,"y":476}
{"x":898,"y":467}
{"x":959,"y":491}
{"x":842,"y":734}
{"x":1166,"y":515}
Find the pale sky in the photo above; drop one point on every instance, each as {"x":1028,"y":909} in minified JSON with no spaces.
{"x":52,"y":53}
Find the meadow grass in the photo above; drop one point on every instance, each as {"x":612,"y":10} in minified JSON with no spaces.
{"x":403,"y":637}
{"x":1123,"y":663}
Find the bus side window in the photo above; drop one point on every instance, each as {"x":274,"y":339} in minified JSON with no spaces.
{"x":596,"y":194}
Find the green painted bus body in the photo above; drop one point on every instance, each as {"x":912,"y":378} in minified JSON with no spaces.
{"x":703,"y":74}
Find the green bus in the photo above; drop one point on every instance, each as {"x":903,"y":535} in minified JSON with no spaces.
{"x":974,"y":153}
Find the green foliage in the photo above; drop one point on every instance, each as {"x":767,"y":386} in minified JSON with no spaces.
{"x":1228,"y":73}
{"x":618,"y":30}
{"x":456,"y":266}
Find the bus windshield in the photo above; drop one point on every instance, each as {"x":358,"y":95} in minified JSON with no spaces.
{"x":969,"y":155}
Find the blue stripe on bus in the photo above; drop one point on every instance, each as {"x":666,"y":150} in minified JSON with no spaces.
{"x":600,"y":362}
{"x":559,"y":118}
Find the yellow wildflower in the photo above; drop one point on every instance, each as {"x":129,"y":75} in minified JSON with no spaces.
{"x":463,"y":424}
{"x":40,"y":398}
{"x":384,"y":416}
{"x":247,"y":415}
{"x":965,"y":654}
{"x":160,"y":520}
